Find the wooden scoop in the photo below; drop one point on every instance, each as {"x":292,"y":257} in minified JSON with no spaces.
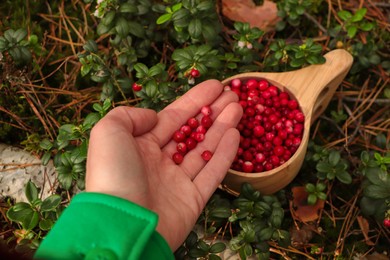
{"x":313,"y":88}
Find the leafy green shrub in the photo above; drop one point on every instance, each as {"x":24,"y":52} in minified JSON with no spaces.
{"x":35,"y":217}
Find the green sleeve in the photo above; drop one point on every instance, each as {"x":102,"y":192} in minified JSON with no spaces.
{"x":100,"y":226}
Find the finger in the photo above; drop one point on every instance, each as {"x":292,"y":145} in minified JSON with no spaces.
{"x":229,"y":118}
{"x":135,"y":121}
{"x":176,"y":114}
{"x":112,"y":146}
{"x":215,"y":170}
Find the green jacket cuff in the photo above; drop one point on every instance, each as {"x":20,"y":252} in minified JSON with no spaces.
{"x":101,"y":226}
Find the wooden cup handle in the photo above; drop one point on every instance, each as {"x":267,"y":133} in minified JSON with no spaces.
{"x":314,"y":86}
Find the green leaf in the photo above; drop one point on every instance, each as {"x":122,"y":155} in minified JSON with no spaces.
{"x":351,"y":31}
{"x":217,"y":247}
{"x":323,"y":167}
{"x":20,"y":34}
{"x":30,"y":221}
{"x":312,"y":199}
{"x":142,"y":70}
{"x":320,"y":186}
{"x":248,"y":250}
{"x":265,"y":234}
{"x":300,"y":9}
{"x":46,"y":158}
{"x":359,"y":15}
{"x":46,"y":224}
{"x":377,"y":192}
{"x":213,"y":257}
{"x":364,"y":157}
{"x":180,"y":18}
{"x":9,"y":36}
{"x":366,"y":26}
{"x":344,"y":15}
{"x":310,"y":187}
{"x":19,"y":211}
{"x":90,"y":46}
{"x":344,"y":177}
{"x":334,"y":157}
{"x":122,"y":27}
{"x":31,"y":191}
{"x":195,"y":28}
{"x":128,"y":8}
{"x":220,"y":212}
{"x":196,"y":253}
{"x":46,"y":144}
{"x":65,"y":180}
{"x":90,"y":120}
{"x":136,"y":29}
{"x":164,"y":18}
{"x":321,"y":196}
{"x":156,"y":70}
{"x":176,"y":7}
{"x":50,"y":203}
{"x":297,"y":63}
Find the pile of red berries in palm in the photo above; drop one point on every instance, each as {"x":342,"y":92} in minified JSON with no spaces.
{"x":192,"y":133}
{"x":271,"y":127}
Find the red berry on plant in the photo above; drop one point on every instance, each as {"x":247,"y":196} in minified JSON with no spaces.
{"x":386,"y":222}
{"x":194,"y":73}
{"x":136,"y":87}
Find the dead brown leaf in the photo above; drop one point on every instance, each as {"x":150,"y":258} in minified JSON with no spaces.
{"x":263,"y":17}
{"x":364,"y":226}
{"x":299,"y":208}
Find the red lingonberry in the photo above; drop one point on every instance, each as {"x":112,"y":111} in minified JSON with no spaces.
{"x":206,"y":155}
{"x":300,"y":117}
{"x":136,"y":87}
{"x":191,"y":143}
{"x":206,"y":110}
{"x":274,"y":91}
{"x":247,"y":166}
{"x":258,"y":131}
{"x":206,"y":121}
{"x":263,"y":84}
{"x":236,"y":83}
{"x":268,"y":166}
{"x":193,"y":122}
{"x":251,"y":84}
{"x":178,"y":136}
{"x":199,"y":137}
{"x":386,"y":222}
{"x":186,"y":129}
{"x":260,"y":157}
{"x":279,"y":150}
{"x":194,"y":73}
{"x":201,"y":129}
{"x":177,"y":158}
{"x":274,"y":160}
{"x":293,"y":104}
{"x":181,"y":147}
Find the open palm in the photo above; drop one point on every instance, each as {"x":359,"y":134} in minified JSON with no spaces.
{"x":130,"y":156}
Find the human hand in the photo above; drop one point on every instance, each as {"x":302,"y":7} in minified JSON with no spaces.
{"x":130,"y":156}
